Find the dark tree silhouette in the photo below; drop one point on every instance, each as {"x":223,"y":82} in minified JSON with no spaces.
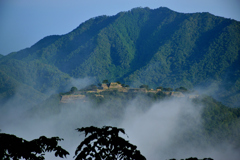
{"x":13,"y":147}
{"x":105,"y":143}
{"x":144,"y":86}
{"x":73,"y":89}
{"x":105,"y":81}
{"x":192,"y":158}
{"x":167,"y":89}
{"x":125,"y":85}
{"x":181,"y":89}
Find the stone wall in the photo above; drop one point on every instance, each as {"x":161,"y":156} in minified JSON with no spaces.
{"x":115,"y":85}
{"x":71,"y":98}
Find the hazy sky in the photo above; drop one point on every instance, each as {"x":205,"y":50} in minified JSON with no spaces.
{"x":24,"y":22}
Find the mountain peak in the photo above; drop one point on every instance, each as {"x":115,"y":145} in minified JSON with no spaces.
{"x":159,"y":47}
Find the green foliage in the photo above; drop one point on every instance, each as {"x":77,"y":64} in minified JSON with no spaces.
{"x":73,"y":89}
{"x":31,"y":79}
{"x":158,"y":47}
{"x":105,"y":81}
{"x":105,"y":143}
{"x":181,"y":89}
{"x":13,"y":147}
{"x":125,"y":85}
{"x":118,"y":82}
{"x":160,"y":87}
{"x":167,"y":89}
{"x":144,"y":86}
{"x":220,"y":122}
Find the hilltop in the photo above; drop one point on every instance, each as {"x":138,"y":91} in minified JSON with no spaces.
{"x":110,"y":88}
{"x":158,"y":47}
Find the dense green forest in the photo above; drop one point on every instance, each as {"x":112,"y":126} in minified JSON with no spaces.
{"x":158,"y":47}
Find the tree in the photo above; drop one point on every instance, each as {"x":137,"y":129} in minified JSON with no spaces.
{"x":181,"y":89}
{"x":14,"y":147}
{"x":167,"y":89}
{"x":91,"y":87}
{"x":160,"y":87}
{"x":192,"y":158}
{"x":118,"y":82}
{"x":74,"y":89}
{"x":125,"y":85}
{"x":144,"y":86}
{"x":105,"y":81}
{"x":105,"y":143}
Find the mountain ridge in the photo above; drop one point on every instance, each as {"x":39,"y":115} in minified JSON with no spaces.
{"x":159,"y":47}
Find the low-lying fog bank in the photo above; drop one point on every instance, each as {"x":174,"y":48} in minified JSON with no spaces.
{"x":166,"y":129}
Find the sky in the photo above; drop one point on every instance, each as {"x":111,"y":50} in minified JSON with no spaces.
{"x":24,"y":22}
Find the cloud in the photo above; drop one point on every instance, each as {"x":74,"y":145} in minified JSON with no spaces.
{"x":154,"y":131}
{"x":80,"y":82}
{"x":167,"y":129}
{"x":160,"y":130}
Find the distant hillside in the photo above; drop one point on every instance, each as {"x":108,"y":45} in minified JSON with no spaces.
{"x":158,"y":47}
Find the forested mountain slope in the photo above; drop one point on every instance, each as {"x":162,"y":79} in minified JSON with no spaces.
{"x":157,"y":47}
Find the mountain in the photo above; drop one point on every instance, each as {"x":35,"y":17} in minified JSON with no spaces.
{"x":157,"y":47}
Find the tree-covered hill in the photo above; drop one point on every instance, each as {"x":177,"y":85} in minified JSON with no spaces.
{"x":158,"y":47}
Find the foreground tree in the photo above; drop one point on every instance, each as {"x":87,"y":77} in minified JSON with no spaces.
{"x":13,"y":147}
{"x":105,"y":143}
